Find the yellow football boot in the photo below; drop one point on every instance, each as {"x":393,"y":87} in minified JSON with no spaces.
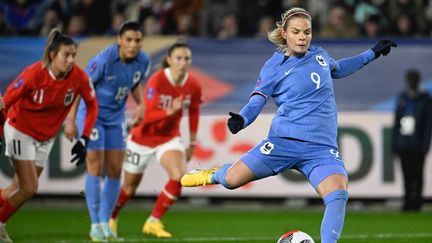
{"x":155,"y":228}
{"x":198,"y":177}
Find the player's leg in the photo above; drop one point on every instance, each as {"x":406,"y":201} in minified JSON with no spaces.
{"x":330,"y":181}
{"x":131,"y":182}
{"x":172,"y":157}
{"x":28,"y":182}
{"x":136,"y":160}
{"x":251,"y":166}
{"x":115,"y":146}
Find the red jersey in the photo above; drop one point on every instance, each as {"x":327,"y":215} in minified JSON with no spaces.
{"x":37,"y":104}
{"x":157,"y":127}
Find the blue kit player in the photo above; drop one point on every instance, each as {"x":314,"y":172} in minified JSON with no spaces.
{"x":115,"y":72}
{"x":303,"y":132}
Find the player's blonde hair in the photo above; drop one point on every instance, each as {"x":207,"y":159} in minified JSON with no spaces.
{"x":55,"y":40}
{"x":275,"y":36}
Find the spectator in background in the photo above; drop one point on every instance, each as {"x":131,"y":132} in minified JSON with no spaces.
{"x":405,"y":26}
{"x":411,"y":137}
{"x":116,"y":22}
{"x":5,"y":29}
{"x":228,"y":28}
{"x":51,"y":20}
{"x":339,"y":25}
{"x":151,"y":26}
{"x":265,"y":26}
{"x":19,"y":15}
{"x":372,"y":28}
{"x":76,"y":26}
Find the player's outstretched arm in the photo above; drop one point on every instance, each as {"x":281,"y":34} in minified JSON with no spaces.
{"x":383,"y":47}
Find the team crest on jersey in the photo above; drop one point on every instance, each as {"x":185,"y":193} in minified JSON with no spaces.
{"x":68,"y":97}
{"x":18,"y":83}
{"x":267,"y":148}
{"x":137,"y":76}
{"x":320,"y":60}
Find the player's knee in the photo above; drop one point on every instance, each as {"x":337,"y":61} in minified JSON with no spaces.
{"x":29,"y":190}
{"x":231,"y":182}
{"x":129,"y":190}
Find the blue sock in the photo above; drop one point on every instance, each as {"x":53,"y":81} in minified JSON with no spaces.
{"x":109,"y":197}
{"x":333,"y":220}
{"x":219,"y":176}
{"x":92,"y":188}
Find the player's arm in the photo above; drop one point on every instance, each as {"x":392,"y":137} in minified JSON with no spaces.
{"x":264,"y":88}
{"x":346,"y":66}
{"x":70,"y":129}
{"x":153,"y":112}
{"x":194,"y":113}
{"x":137,"y":95}
{"x":248,"y":113}
{"x":89,"y":96}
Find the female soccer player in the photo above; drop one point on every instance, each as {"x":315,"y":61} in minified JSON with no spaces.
{"x":114,"y":72}
{"x":303,"y":132}
{"x":167,"y":93}
{"x":36,"y":104}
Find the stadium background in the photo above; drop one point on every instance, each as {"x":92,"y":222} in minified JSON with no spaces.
{"x":227,"y":69}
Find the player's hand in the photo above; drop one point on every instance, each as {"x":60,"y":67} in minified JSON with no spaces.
{"x":383,"y":47}
{"x":176,"y":105}
{"x":70,"y":130}
{"x":235,"y":122}
{"x":139,"y":116}
{"x":2,"y":103}
{"x":189,"y":152}
{"x":79,"y":151}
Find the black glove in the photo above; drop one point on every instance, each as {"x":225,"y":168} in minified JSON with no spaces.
{"x":383,"y":47}
{"x":235,"y":122}
{"x":79,"y":150}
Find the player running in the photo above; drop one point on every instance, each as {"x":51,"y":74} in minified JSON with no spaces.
{"x":168,"y":93}
{"x":115,"y":71}
{"x":303,"y":132}
{"x":35,"y":106}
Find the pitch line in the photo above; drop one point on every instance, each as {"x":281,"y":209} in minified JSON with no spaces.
{"x":260,"y":239}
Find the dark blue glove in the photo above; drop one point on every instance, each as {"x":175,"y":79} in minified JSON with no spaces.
{"x":383,"y":47}
{"x":79,"y":151}
{"x":235,"y":122}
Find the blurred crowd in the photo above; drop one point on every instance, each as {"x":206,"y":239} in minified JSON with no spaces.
{"x":221,"y":19}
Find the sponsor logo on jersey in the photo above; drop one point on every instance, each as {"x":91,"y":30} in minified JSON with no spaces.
{"x":288,"y":72}
{"x":18,"y":83}
{"x":68,"y":97}
{"x":267,"y":148}
{"x":320,"y":60}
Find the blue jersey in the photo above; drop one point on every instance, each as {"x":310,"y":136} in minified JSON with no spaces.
{"x":113,"y":80}
{"x":302,"y":89}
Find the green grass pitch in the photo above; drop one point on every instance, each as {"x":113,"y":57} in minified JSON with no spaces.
{"x":222,"y":225}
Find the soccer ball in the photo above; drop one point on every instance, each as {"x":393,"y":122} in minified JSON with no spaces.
{"x":295,"y":236}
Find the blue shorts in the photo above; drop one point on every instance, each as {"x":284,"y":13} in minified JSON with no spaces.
{"x":106,"y":137}
{"x":275,"y":155}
